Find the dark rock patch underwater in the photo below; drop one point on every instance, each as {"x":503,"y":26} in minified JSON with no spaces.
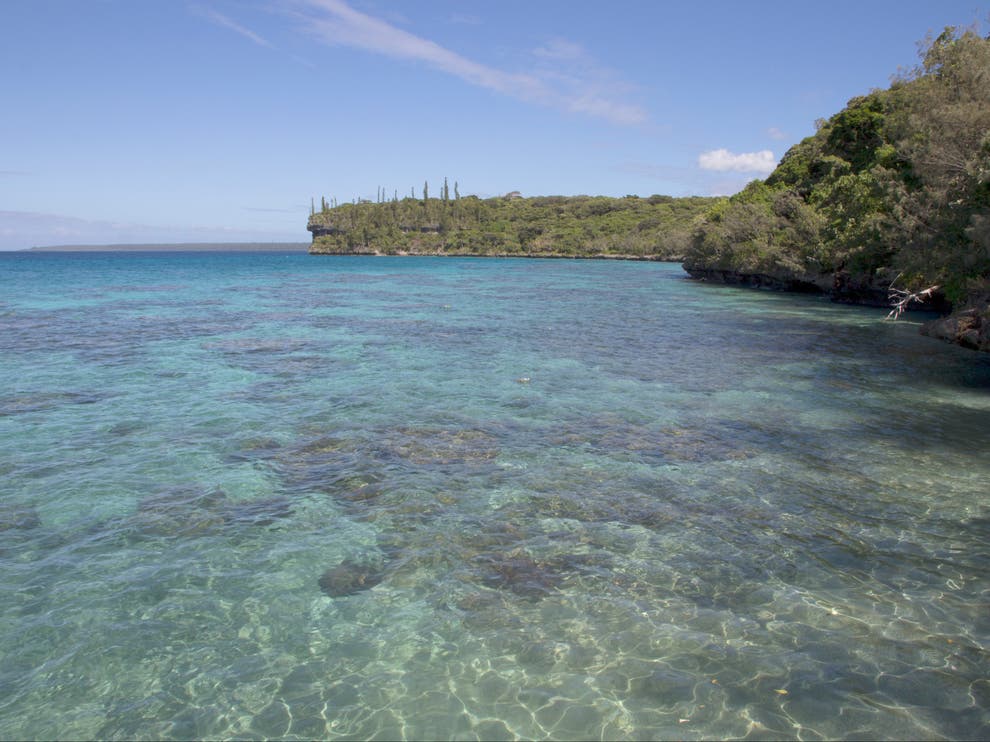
{"x":350,"y":577}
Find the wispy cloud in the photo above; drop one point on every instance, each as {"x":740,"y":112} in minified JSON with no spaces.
{"x":337,"y":23}
{"x":774,"y":133}
{"x":723,"y":160}
{"x":221,"y":20}
{"x":464,"y":19}
{"x":560,"y":49}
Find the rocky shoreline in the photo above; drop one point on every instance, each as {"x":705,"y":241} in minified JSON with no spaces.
{"x":839,"y":287}
{"x":528,"y":255}
{"x":968,"y":326}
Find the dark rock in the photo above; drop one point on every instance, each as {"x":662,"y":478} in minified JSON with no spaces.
{"x":840,"y":286}
{"x":18,"y":517}
{"x":253,"y":449}
{"x":968,"y":327}
{"x":186,"y":511}
{"x":428,"y":446}
{"x":179,"y":512}
{"x":806,"y":285}
{"x":260,"y":512}
{"x":701,"y":443}
{"x":857,"y":289}
{"x":349,"y":577}
{"x":519,"y":573}
{"x":16,"y":404}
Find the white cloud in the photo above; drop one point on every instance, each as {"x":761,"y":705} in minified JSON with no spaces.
{"x":335,"y":22}
{"x":746,"y":162}
{"x":774,"y":133}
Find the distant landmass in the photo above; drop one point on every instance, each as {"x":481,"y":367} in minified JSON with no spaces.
{"x":182,"y":247}
{"x":656,"y":227}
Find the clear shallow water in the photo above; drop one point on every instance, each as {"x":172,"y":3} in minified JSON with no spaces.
{"x":250,"y":495}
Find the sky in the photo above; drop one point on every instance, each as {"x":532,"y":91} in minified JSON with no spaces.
{"x":163,"y":121}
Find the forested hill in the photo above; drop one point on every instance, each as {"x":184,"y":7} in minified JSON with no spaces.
{"x":890,"y":196}
{"x":653,"y":228}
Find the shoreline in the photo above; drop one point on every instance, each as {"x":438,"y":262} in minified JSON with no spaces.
{"x":967,"y":325}
{"x":539,"y":256}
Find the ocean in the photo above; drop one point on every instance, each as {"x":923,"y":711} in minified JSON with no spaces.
{"x":273,"y":495}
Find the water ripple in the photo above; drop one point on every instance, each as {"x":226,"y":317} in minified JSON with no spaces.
{"x":258,"y":496}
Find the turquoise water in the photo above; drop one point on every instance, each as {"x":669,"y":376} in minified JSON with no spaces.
{"x":283,"y":496}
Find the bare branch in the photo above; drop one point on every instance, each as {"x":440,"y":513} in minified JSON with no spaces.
{"x":901,"y":298}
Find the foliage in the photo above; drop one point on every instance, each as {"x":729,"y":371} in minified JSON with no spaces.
{"x":896,"y":186}
{"x":657,"y":227}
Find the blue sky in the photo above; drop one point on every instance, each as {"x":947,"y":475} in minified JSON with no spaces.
{"x":219,"y":120}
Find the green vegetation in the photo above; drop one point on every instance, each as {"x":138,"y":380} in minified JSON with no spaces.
{"x":656,"y":228}
{"x":892,"y":191}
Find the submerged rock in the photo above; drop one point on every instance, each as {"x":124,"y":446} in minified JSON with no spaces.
{"x":248,"y":346}
{"x":428,"y":446}
{"x":179,"y":512}
{"x":261,"y":512}
{"x":324,"y":464}
{"x":521,"y":575}
{"x":18,"y":517}
{"x":16,"y":404}
{"x":255,"y":449}
{"x":350,"y":577}
{"x":711,"y":441}
{"x":191,"y":512}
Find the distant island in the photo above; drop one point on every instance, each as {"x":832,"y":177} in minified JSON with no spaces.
{"x":181,"y":247}
{"x":652,"y":228}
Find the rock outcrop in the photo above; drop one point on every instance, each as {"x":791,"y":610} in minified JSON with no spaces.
{"x":840,"y":287}
{"x":968,"y":327}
